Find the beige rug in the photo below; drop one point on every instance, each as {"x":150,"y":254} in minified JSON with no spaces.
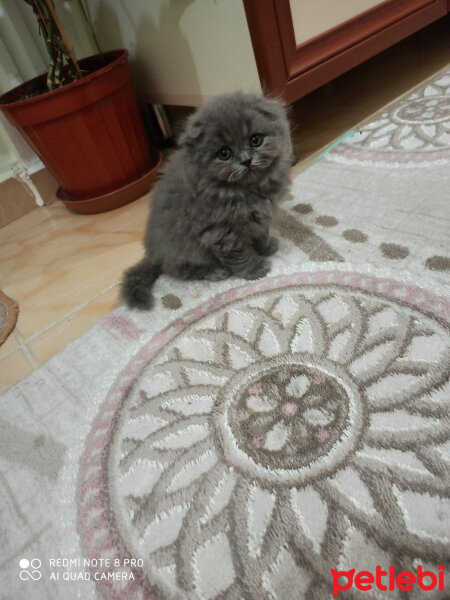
{"x":8,"y":316}
{"x":287,"y":439}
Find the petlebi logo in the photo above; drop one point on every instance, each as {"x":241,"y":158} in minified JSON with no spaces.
{"x":30,"y":569}
{"x":388,"y":580}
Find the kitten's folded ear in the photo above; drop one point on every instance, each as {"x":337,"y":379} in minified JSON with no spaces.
{"x":271,"y":108}
{"x":192,"y":132}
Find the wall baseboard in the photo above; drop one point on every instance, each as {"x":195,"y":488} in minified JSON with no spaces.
{"x":17,"y":199}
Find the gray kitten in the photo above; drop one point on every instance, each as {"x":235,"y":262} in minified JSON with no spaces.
{"x":211,"y":211}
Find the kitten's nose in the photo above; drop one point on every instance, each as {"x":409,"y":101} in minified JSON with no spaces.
{"x":246,"y":162}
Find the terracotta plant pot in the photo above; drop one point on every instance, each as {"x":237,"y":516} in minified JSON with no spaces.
{"x":89,"y":134}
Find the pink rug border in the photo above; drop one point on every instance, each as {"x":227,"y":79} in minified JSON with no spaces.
{"x":93,"y":510}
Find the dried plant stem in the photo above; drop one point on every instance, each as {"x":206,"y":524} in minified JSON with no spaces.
{"x":63,"y":66}
{"x":68,"y":48}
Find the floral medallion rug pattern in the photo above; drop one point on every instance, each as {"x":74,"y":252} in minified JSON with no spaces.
{"x":241,"y":441}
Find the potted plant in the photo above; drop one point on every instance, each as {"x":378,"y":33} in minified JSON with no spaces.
{"x":82,"y":119}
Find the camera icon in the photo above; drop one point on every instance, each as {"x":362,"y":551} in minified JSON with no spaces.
{"x":30,"y":569}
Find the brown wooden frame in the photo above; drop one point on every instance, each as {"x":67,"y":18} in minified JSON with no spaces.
{"x":291,"y":71}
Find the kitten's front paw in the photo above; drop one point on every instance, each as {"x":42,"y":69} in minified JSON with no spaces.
{"x":218,"y":274}
{"x":257,"y":270}
{"x":270,"y":247}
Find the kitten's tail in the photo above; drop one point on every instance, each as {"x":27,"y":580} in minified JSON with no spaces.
{"x":137,"y":283}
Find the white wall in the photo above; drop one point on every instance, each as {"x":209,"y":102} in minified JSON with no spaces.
{"x":182,"y":51}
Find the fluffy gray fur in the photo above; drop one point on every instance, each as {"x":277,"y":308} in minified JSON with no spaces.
{"x":211,"y":210}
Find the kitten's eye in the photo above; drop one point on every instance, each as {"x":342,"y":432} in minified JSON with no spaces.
{"x":256,"y":140}
{"x":224,"y":153}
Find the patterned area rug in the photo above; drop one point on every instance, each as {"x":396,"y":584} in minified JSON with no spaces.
{"x":8,"y":316}
{"x":265,"y":440}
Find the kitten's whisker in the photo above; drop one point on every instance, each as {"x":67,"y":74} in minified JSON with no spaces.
{"x":237,"y":173}
{"x":261,"y":162}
